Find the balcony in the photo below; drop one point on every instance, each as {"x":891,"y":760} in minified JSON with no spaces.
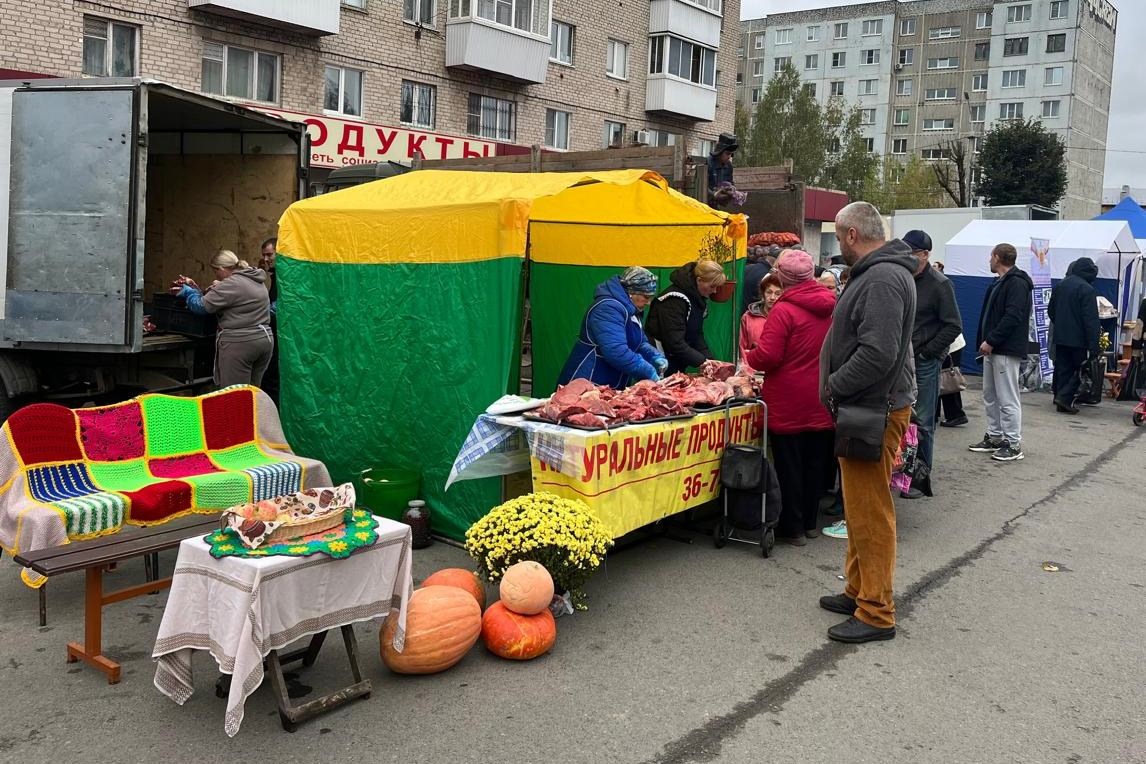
{"x":697,"y":20}
{"x":310,"y":17}
{"x":669,"y":94}
{"x":507,"y":37}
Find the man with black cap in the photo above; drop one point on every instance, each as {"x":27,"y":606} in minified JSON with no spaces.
{"x":720,"y":168}
{"x":937,"y":324}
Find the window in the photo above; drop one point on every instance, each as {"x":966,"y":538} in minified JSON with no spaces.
{"x":869,"y":57}
{"x":739,"y":78}
{"x":868,"y":87}
{"x":867,"y":116}
{"x":897,"y":173}
{"x":1016,"y":13}
{"x":902,"y":117}
{"x":662,"y":138}
{"x":979,"y":82}
{"x":1053,"y":75}
{"x":1011,"y":111}
{"x":907,"y":26}
{"x":557,"y":129}
{"x":416,"y":11}
{"x":841,"y":31}
{"x":1050,"y":109}
{"x":704,"y":147}
{"x":812,"y":61}
{"x":907,"y":56}
{"x":839,"y":60}
{"x":1015,"y":46}
{"x":493,"y":118}
{"x":781,"y":63}
{"x":343,"y":90}
{"x":813,"y":34}
{"x":944,"y":33}
{"x":899,"y":146}
{"x":712,"y":5}
{"x":757,"y":68}
{"x":355,"y":3}
{"x":978,"y":113}
{"x":617,"y":59}
{"x":241,"y":73}
{"x":982,"y":51}
{"x":872,"y":27}
{"x":940,"y":94}
{"x":418,"y":104}
{"x":1015,"y":78}
{"x":1059,"y":9}
{"x":784,"y":36}
{"x":943,"y":63}
{"x":810,"y":88}
{"x":983,"y":20}
{"x":837,"y":88}
{"x":614,"y":134}
{"x":1056,"y":43}
{"x":834,"y":146}
{"x":109,"y":48}
{"x":933,"y":155}
{"x":683,"y":59}
{"x":755,"y":95}
{"x":527,"y":15}
{"x":869,"y":145}
{"x":903,"y":88}
{"x":939,"y":124}
{"x":758,"y":42}
{"x":561,"y":43}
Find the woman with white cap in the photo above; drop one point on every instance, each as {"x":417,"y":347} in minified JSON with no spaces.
{"x":611,"y":348}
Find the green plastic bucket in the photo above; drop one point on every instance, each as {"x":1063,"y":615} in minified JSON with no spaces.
{"x":387,"y":490}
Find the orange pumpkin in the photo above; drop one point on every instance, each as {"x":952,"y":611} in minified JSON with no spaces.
{"x":526,"y":588}
{"x":518,"y":637}
{"x":442,"y":624}
{"x":462,"y":579}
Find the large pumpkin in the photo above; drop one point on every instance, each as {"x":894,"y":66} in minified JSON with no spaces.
{"x":462,"y":579}
{"x":442,"y":624}
{"x":526,"y":588}
{"x":518,"y":637}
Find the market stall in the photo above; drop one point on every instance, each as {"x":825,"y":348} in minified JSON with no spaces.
{"x":401,"y":304}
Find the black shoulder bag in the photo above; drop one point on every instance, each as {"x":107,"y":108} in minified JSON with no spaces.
{"x":860,"y":428}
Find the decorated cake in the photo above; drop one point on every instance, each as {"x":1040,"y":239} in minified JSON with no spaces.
{"x":273,"y":521}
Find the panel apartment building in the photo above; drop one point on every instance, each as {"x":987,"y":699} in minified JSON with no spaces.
{"x":384,"y":79}
{"x":928,"y":72}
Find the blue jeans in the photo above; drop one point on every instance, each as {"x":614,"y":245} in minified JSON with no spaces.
{"x":926,"y":404}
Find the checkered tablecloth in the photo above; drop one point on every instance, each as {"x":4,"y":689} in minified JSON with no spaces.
{"x":502,"y":445}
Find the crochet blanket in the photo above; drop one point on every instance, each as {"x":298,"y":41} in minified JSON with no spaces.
{"x":79,"y":474}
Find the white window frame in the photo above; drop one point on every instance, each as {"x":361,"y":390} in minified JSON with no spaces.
{"x":904,"y":87}
{"x":934,"y":155}
{"x":109,"y":28}
{"x":843,"y":59}
{"x":944,"y":33}
{"x":907,"y":27}
{"x":1059,"y":9}
{"x":906,"y":114}
{"x":980,"y":110}
{"x":502,"y":133}
{"x":209,"y":47}
{"x":940,"y":94}
{"x":1018,"y":14}
{"x":359,"y":4}
{"x":906,"y":56}
{"x":814,"y":34}
{"x":779,"y":62}
{"x":416,"y":118}
{"x":836,"y":91}
{"x":841,"y":26}
{"x":558,"y":129}
{"x":811,"y":88}
{"x":869,"y":87}
{"x":755,"y":95}
{"x":1048,"y":78}
{"x":419,"y":12}
{"x":716,"y":6}
{"x":608,"y":131}
{"x":758,"y":41}
{"x":975,"y":81}
{"x":938,"y":123}
{"x":784,"y":36}
{"x":340,"y":111}
{"x":948,"y":62}
{"x":899,"y":143}
{"x":869,"y":57}
{"x":867,"y":116}
{"x":536,"y":16}
{"x":983,"y":19}
{"x":613,"y":49}
{"x":1056,"y":35}
{"x":871,"y":28}
{"x":811,"y":62}
{"x":1016,"y":39}
{"x":1055,"y":106}
{"x":758,"y":69}
{"x":1010,"y":110}
{"x":555,"y":39}
{"x":869,"y":145}
{"x":1014,"y":78}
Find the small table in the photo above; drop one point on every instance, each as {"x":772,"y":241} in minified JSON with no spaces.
{"x":245,"y":610}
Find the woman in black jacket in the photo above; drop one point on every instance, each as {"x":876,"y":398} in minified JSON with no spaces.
{"x":676,"y":318}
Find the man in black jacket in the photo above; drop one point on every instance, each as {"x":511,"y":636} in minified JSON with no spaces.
{"x":1004,"y":332}
{"x":937,"y":324}
{"x":1073,"y":312}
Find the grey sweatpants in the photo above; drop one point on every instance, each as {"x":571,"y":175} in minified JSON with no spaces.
{"x":243,"y":361}
{"x":1001,"y":398}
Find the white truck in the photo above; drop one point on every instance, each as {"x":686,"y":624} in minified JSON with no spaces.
{"x":109,"y":190}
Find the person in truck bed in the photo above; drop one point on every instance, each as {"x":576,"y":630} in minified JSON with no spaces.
{"x":239,"y":299}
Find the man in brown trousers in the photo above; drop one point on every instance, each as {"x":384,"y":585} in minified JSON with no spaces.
{"x":867,"y":363}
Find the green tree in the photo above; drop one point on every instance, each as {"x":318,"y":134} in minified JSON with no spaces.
{"x":788,"y":125}
{"x":848,"y":165}
{"x":909,"y":185}
{"x":740,"y":126}
{"x":1021,"y":162}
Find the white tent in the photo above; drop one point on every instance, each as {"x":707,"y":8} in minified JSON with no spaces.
{"x":1108,"y":242}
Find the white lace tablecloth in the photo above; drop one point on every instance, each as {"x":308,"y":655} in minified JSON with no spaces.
{"x":239,"y":609}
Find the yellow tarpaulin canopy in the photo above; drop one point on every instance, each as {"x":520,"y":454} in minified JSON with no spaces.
{"x":435,"y":216}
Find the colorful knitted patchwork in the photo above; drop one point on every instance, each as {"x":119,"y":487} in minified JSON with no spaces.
{"x":220,"y":490}
{"x":59,"y":482}
{"x":112,"y":433}
{"x":182,"y":466}
{"x":159,"y":502}
{"x":229,"y":418}
{"x":242,"y":457}
{"x":88,"y":515}
{"x":276,"y":479}
{"x":173,"y":425}
{"x":122,"y":476}
{"x":44,"y":433}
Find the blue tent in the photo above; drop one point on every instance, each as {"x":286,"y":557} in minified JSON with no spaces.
{"x":1131,"y":212}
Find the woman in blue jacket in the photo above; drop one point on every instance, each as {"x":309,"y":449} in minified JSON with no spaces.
{"x":611,"y":348}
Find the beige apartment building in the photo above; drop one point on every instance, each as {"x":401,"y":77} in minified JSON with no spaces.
{"x":928,"y":72}
{"x":386,"y":79}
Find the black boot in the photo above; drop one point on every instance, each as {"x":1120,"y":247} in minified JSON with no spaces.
{"x":856,"y":631}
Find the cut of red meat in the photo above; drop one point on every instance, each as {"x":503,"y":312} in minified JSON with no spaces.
{"x":585,"y":420}
{"x":720,"y":370}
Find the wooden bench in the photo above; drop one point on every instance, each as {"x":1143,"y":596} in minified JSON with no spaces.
{"x":96,"y":556}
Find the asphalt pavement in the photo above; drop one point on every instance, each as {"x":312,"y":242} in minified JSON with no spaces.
{"x":693,"y":654}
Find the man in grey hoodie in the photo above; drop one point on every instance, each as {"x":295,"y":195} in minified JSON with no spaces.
{"x":867,"y":361}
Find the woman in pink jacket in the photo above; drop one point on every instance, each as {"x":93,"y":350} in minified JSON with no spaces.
{"x":752,"y":322}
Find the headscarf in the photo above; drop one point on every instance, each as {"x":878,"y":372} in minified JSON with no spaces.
{"x":638,"y":280}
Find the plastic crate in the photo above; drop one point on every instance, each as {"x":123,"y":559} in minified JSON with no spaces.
{"x":171,"y":314}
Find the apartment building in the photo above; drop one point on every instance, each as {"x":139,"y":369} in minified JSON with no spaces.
{"x":386,"y":79}
{"x":959,"y":66}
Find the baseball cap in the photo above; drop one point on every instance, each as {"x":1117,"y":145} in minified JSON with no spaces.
{"x":917,"y":240}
